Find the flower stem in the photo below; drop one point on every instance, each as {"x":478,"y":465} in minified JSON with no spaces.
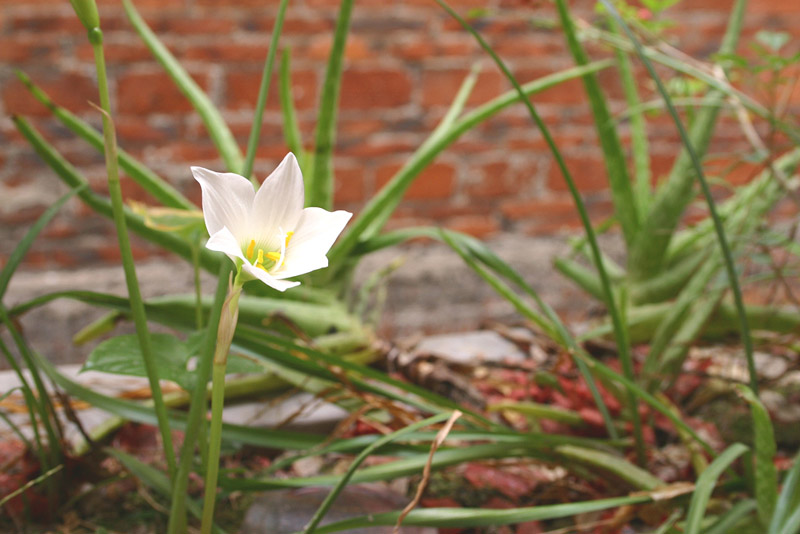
{"x":137,"y":305}
{"x":227,"y":326}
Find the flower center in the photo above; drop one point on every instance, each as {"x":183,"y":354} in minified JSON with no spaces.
{"x":267,"y":261}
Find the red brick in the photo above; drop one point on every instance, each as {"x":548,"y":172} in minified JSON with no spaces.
{"x":439,"y":87}
{"x":70,"y":90}
{"x":480,"y":226}
{"x":25,"y":49}
{"x":242,"y":89}
{"x":50,"y":22}
{"x":495,"y":181}
{"x":437,"y":181}
{"x":227,"y":52}
{"x":152,"y":93}
{"x":349,"y":185}
{"x":378,"y":88}
{"x":589,"y":174}
{"x":355,"y":48}
{"x":374,"y":149}
{"x":117,"y":52}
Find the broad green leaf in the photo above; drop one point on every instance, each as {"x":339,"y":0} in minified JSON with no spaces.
{"x":121,"y":355}
{"x":772,"y":40}
{"x":706,"y":484}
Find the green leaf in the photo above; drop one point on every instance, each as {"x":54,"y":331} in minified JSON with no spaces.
{"x":121,"y":355}
{"x":730,"y":519}
{"x":472,"y":518}
{"x":215,"y":125}
{"x":706,"y":484}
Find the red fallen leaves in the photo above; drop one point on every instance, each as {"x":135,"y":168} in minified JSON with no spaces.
{"x":513,"y":485}
{"x":19,"y":466}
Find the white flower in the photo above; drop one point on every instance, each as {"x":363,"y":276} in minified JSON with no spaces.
{"x":269,"y":231}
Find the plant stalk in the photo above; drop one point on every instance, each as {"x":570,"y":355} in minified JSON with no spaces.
{"x":227,"y":326}
{"x":137,"y":305}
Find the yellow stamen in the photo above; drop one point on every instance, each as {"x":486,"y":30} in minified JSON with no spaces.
{"x":288,"y":238}
{"x":274,"y":256}
{"x":250,"y":248}
{"x":260,"y":258}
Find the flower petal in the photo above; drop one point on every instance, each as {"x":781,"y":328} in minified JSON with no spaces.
{"x":278,"y":203}
{"x":227,"y":199}
{"x":280,"y":285}
{"x":224,"y":241}
{"x":314,"y":235}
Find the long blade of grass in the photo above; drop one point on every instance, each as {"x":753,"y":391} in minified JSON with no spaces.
{"x":150,"y":181}
{"x":320,"y":192}
{"x":706,"y":483}
{"x":27,"y":240}
{"x":698,"y":173}
{"x":215,"y":125}
{"x":473,"y":518}
{"x":263,"y":91}
{"x":124,"y":247}
{"x":626,"y":207}
{"x":549,"y":323}
{"x":291,"y":128}
{"x":611,"y":464}
{"x":405,"y":466}
{"x":647,"y":252}
{"x":363,"y":227}
{"x":620,"y":332}
{"x":447,"y":122}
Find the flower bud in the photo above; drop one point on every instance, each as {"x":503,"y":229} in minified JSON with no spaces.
{"x":87,"y":13}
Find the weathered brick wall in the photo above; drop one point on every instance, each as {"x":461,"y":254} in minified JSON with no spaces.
{"x":405,"y":61}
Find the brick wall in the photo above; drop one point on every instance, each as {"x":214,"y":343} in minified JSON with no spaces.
{"x":405,"y":60}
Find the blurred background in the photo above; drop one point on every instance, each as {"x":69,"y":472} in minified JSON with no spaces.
{"x":404,"y":63}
